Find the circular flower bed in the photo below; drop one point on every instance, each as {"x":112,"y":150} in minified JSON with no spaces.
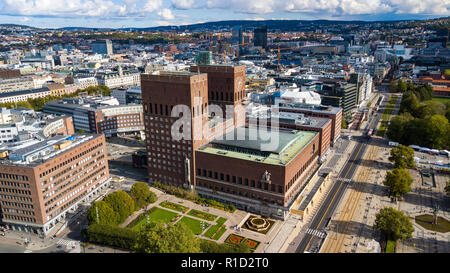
{"x":257,"y":224}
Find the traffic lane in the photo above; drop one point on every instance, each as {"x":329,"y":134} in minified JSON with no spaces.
{"x":307,"y":239}
{"x":333,"y":198}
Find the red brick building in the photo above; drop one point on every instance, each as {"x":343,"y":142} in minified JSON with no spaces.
{"x":42,"y":182}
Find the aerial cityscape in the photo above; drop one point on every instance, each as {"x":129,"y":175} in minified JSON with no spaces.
{"x":192,"y":126}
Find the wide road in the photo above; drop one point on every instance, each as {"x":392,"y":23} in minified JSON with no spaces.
{"x":311,"y":242}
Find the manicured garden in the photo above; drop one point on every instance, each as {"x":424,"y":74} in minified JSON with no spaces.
{"x":216,"y":231}
{"x":155,"y":214}
{"x":258,"y":224}
{"x":202,"y":215}
{"x":193,"y":224}
{"x":426,"y":221}
{"x":174,"y":206}
{"x":235,"y":239}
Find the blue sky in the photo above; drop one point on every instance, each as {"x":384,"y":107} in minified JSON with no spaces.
{"x":148,"y":13}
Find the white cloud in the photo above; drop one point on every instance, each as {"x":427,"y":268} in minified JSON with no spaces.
{"x":152,"y":5}
{"x":334,"y":7}
{"x":147,"y":8}
{"x":166,"y":14}
{"x":162,"y":23}
{"x":183,"y":4}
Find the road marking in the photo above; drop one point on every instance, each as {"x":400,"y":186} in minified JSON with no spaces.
{"x":316,"y":233}
{"x":65,"y":242}
{"x":323,"y":216}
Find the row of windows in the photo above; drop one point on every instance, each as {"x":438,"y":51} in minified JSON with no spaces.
{"x":18,"y":211}
{"x":25,"y":192}
{"x":14,"y":176}
{"x":19,"y":205}
{"x":14,"y":184}
{"x":70,"y":160}
{"x":298,"y":173}
{"x":240,"y":193}
{"x":20,"y":218}
{"x":167,"y":109}
{"x":239,"y":180}
{"x":74,"y":186}
{"x":18,"y":198}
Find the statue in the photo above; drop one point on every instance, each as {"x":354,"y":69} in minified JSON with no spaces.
{"x":266,"y":177}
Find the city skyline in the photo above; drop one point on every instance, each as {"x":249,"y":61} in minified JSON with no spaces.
{"x":153,"y":13}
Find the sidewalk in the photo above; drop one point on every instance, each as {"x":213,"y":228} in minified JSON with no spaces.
{"x":13,"y":237}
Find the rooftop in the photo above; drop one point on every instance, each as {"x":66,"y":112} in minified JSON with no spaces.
{"x":255,"y":145}
{"x":34,"y":152}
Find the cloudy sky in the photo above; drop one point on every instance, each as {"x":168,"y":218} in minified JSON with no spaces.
{"x":148,"y":13}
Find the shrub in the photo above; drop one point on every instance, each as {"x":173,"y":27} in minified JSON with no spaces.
{"x":110,"y":236}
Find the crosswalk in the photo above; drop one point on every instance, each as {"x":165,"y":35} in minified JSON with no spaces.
{"x":66,"y":242}
{"x":316,"y":233}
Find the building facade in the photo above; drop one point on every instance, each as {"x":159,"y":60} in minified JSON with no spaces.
{"x":42,"y":182}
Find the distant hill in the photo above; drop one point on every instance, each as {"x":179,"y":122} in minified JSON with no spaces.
{"x":19,"y":26}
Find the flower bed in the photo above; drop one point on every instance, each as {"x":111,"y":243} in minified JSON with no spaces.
{"x":174,"y":206}
{"x":202,"y":215}
{"x":251,"y":243}
{"x":234,"y":239}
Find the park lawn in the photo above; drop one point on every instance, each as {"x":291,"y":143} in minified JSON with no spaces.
{"x":219,"y":233}
{"x":202,"y":215}
{"x":390,"y":246}
{"x":158,"y":214}
{"x":443,"y":100}
{"x":386,"y":114}
{"x":192,"y":224}
{"x":214,"y":232}
{"x":426,"y":220}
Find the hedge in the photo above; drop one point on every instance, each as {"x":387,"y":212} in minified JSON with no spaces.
{"x":110,"y":235}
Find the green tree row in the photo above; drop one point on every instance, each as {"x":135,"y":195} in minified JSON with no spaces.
{"x":156,"y":237}
{"x":38,"y":103}
{"x":117,"y":206}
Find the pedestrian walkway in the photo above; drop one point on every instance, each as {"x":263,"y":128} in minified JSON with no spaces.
{"x":316,"y":233}
{"x":65,"y":242}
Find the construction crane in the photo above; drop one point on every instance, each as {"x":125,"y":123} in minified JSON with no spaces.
{"x":237,"y":48}
{"x":222,"y":54}
{"x":279,"y":54}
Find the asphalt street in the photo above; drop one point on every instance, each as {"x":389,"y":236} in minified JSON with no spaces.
{"x":311,"y":242}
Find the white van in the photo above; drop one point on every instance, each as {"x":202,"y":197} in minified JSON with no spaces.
{"x":393,"y":143}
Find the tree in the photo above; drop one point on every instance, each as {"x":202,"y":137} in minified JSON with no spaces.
{"x":401,"y":86}
{"x":141,"y":194}
{"x":402,"y":156}
{"x":394,"y":224}
{"x":398,"y":181}
{"x":409,"y":103}
{"x":437,"y":132}
{"x":121,"y":203}
{"x":344,"y":124}
{"x":396,"y":129}
{"x":156,"y":237}
{"x":106,"y":215}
